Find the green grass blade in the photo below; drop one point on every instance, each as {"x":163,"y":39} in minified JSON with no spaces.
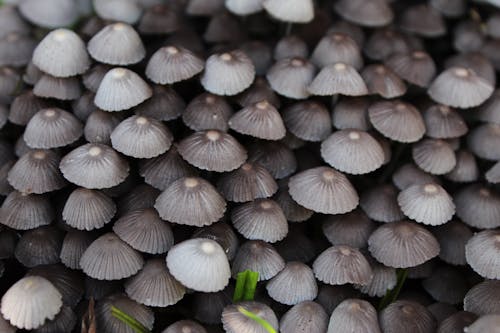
{"x":250,"y":285}
{"x":239,"y":290}
{"x":258,"y":319}
{"x":128,"y":320}
{"x":246,"y":283}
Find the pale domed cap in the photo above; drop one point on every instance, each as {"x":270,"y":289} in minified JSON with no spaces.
{"x":260,"y":219}
{"x":172,"y":64}
{"x":257,"y":256}
{"x":478,"y":206}
{"x":410,"y":316}
{"x":94,"y":166}
{"x":402,"y":244}
{"x":248,"y":182}
{"x":199,"y":264}
{"x":308,"y":120}
{"x":144,"y":231}
{"x":51,"y":128}
{"x":88,"y":209}
{"x":121,"y":89}
{"x":110,"y":258}
{"x":296,"y":11}
{"x":36,"y":172}
{"x":354,"y":315}
{"x":323,"y":190}
{"x":482,"y":252}
{"x":24,"y":211}
{"x":338,"y":78}
{"x":342,"y":264}
{"x":428,"y":204}
{"x":212,"y":150}
{"x":228,"y":73}
{"x":117,"y":44}
{"x":233,"y":321}
{"x":294,"y":284}
{"x":337,"y":47}
{"x":50,"y":13}
{"x":290,"y":77}
{"x":352,"y":151}
{"x":460,"y":87}
{"x":260,"y":120}
{"x":191,"y":201}
{"x":305,"y":316}
{"x":154,"y":285}
{"x":141,"y":137}
{"x":415,"y":67}
{"x":61,"y":53}
{"x":127,"y":11}
{"x":397,"y":120}
{"x":373,"y":13}
{"x":29,"y":302}
{"x":483,"y":298}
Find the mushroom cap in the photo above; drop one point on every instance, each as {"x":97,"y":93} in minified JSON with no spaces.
{"x":29,"y":302}
{"x":228,"y":73}
{"x":61,"y":53}
{"x":117,"y":44}
{"x":94,"y":166}
{"x":171,"y":64}
{"x":110,"y":258}
{"x":402,"y":244}
{"x":294,"y":284}
{"x":191,"y":201}
{"x":354,"y":315}
{"x":323,"y":190}
{"x":199,"y":264}
{"x":121,"y":89}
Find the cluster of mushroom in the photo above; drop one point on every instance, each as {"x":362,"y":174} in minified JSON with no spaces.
{"x":158,"y":148}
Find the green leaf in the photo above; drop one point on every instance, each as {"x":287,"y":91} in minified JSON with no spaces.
{"x":393,"y":294}
{"x":246,"y":283}
{"x":128,"y":320}
{"x":258,"y":319}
